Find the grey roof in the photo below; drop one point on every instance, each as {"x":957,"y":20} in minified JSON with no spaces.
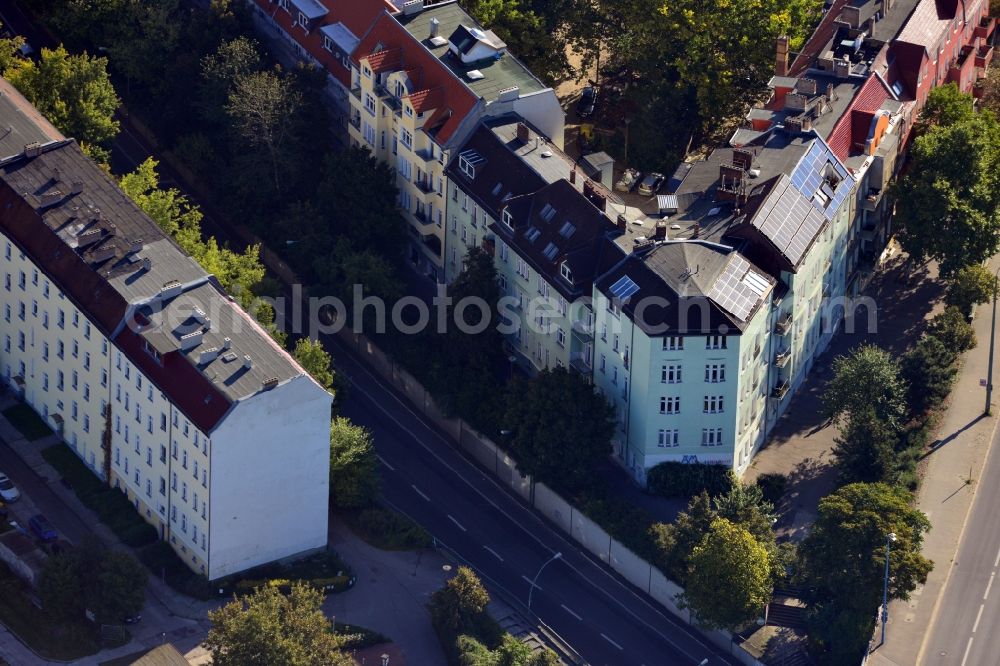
{"x":21,"y":123}
{"x":345,"y":40}
{"x":313,"y":9}
{"x":892,"y":22}
{"x":75,"y":223}
{"x":498,"y":75}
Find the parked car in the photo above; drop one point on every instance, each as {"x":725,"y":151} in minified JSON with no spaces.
{"x":42,"y":528}
{"x":650,"y":185}
{"x":588,"y":102}
{"x":8,"y":491}
{"x":628,"y":180}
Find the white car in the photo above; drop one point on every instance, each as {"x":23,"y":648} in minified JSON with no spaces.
{"x":8,"y":491}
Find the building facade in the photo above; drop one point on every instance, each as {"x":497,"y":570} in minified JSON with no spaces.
{"x":147,"y":369}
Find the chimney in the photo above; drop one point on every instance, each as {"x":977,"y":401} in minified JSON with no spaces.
{"x":781,"y":57}
{"x":695,"y":230}
{"x":742,"y":159}
{"x":622,"y":223}
{"x":76,"y":187}
{"x":88,"y":237}
{"x":226,"y":343}
{"x":523,"y":133}
{"x":572,"y":176}
{"x":191,"y":340}
{"x":135,"y":246}
{"x":33,"y":149}
{"x":435,"y":27}
{"x":793,"y":125}
{"x":208,"y":355}
{"x":412,"y":7}
{"x":841,"y":68}
{"x":147,"y":264}
{"x":103,"y":254}
{"x":795,"y":101}
{"x":171,"y":289}
{"x":806,"y":86}
{"x":660,"y":232}
{"x":807,"y":124}
{"x":199,"y":315}
{"x":247,"y":362}
{"x":829,"y":92}
{"x":269,"y":383}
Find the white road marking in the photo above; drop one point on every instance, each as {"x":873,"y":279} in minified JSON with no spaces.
{"x":996,"y":562}
{"x":989,"y":585}
{"x":967,"y":648}
{"x":567,"y":609}
{"x":385,"y":462}
{"x":493,"y":553}
{"x":458,"y":524}
{"x":979,"y":616}
{"x":420,"y":492}
{"x":532,"y":583}
{"x":605,"y":637}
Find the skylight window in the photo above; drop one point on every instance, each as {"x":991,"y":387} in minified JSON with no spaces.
{"x":533,"y":234}
{"x":624,"y":288}
{"x":551,"y":251}
{"x":565,"y":271}
{"x":547,"y":212}
{"x":508,"y":219}
{"x":567,"y":230}
{"x":497,"y":189}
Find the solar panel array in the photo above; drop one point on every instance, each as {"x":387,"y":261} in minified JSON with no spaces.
{"x":739,"y":288}
{"x":624,"y":288}
{"x":789,"y":219}
{"x":807,"y":177}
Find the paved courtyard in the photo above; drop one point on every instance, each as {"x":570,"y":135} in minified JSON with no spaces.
{"x":800,"y":445}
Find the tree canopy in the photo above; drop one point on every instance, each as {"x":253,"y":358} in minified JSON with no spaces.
{"x":109,"y":583}
{"x":865,"y":449}
{"x":268,"y":628}
{"x":311,"y":355}
{"x":72,"y":91}
{"x":952,"y":329}
{"x":729,"y":582}
{"x":560,"y":428}
{"x":354,"y":480}
{"x":949,"y":201}
{"x":866,"y":377}
{"x":970,"y":285}
{"x":928,"y":368}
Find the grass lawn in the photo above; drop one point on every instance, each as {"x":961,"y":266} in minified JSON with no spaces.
{"x":27,"y":421}
{"x":387,"y":530}
{"x":60,"y":641}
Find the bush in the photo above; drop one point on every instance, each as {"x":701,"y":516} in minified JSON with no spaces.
{"x":355,"y":637}
{"x":970,"y":285}
{"x":677,"y":479}
{"x":25,"y":419}
{"x":161,"y":559}
{"x":387,"y":530}
{"x":773,"y":485}
{"x":624,"y":521}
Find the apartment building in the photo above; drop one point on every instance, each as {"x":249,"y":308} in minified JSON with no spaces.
{"x":163,"y":386}
{"x":718,"y":312}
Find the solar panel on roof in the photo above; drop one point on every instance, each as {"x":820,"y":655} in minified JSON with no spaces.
{"x":624,"y":288}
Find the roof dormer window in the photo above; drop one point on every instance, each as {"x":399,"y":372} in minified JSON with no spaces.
{"x":467,"y":162}
{"x":367,"y":71}
{"x":508,"y":219}
{"x":565,"y":272}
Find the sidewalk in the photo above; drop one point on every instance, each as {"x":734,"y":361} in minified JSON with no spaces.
{"x":800,"y":444}
{"x":963,"y":442}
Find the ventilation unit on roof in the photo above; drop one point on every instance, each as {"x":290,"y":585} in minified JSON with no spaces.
{"x":229,"y":357}
{"x":191,"y":340}
{"x":475,"y":75}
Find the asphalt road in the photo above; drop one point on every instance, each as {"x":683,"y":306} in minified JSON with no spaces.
{"x":966,"y":628}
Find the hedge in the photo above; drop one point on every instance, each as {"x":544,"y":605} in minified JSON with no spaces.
{"x":677,"y":479}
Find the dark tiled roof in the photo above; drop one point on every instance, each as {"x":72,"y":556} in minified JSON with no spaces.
{"x":557,"y":224}
{"x":23,"y":123}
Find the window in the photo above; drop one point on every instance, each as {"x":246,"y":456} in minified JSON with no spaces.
{"x":565,"y":272}
{"x":173,"y":481}
{"x":715,"y":373}
{"x":163,"y":486}
{"x":604,"y":362}
{"x":184,"y":490}
{"x":406,"y":138}
{"x":61,"y":319}
{"x":370,"y":103}
{"x":22,"y":280}
{"x":104,"y":377}
{"x":75,"y":410}
{"x":668,"y":437}
{"x":163,"y":422}
{"x":673,"y":343}
{"x":45,"y":381}
{"x":163,"y":453}
{"x":560,"y":337}
{"x":86,"y":360}
{"x":149,"y":487}
{"x":86,"y":391}
{"x":184,"y":459}
{"x":86,"y":423}
{"x":75,"y":378}
{"x":670,"y":374}
{"x":6,"y":282}
{"x":149,"y":456}
{"x":86,"y":330}
{"x":712,"y":404}
{"x":670,"y":404}
{"x":614,"y":343}
{"x":59,"y":379}
{"x":45,"y":351}
{"x":711,"y":436}
{"x":45,"y":319}
{"x":60,"y":348}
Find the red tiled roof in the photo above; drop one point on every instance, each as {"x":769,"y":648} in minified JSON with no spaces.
{"x":820,"y":38}
{"x":928,"y":23}
{"x":852,"y":128}
{"x":456,"y":100}
{"x":385,"y":60}
{"x":355,"y":15}
{"x":425,"y":100}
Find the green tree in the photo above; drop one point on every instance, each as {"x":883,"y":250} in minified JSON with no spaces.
{"x":457,"y":605}
{"x":674,"y":543}
{"x":220,"y":69}
{"x":72,"y":91}
{"x":117,"y":587}
{"x":991,"y":91}
{"x":970,"y":285}
{"x":354,"y":481}
{"x":947,"y":105}
{"x":511,"y":652}
{"x":865,"y":448}
{"x":311,"y":355}
{"x":61,"y":587}
{"x":929,"y":370}
{"x":9,"y":50}
{"x":262,"y":106}
{"x":949,"y":201}
{"x":561,"y":428}
{"x":268,"y":628}
{"x":729,"y":582}
{"x":867,"y":376}
{"x":841,"y":561}
{"x":952,"y":329}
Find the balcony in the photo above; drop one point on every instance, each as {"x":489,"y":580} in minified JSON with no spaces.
{"x":984,"y":56}
{"x":423,"y":217}
{"x":784,"y":324}
{"x":985,"y":27}
{"x":427,"y":155}
{"x":424,"y":185}
{"x":355,"y":122}
{"x":780,"y":390}
{"x":584,"y":328}
{"x":782,"y":357}
{"x":356,"y":91}
{"x":580,"y":362}
{"x":872,"y":199}
{"x":390,"y":100}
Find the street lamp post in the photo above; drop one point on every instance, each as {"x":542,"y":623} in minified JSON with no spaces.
{"x":993,"y":333}
{"x":544,"y":564}
{"x":889,"y":540}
